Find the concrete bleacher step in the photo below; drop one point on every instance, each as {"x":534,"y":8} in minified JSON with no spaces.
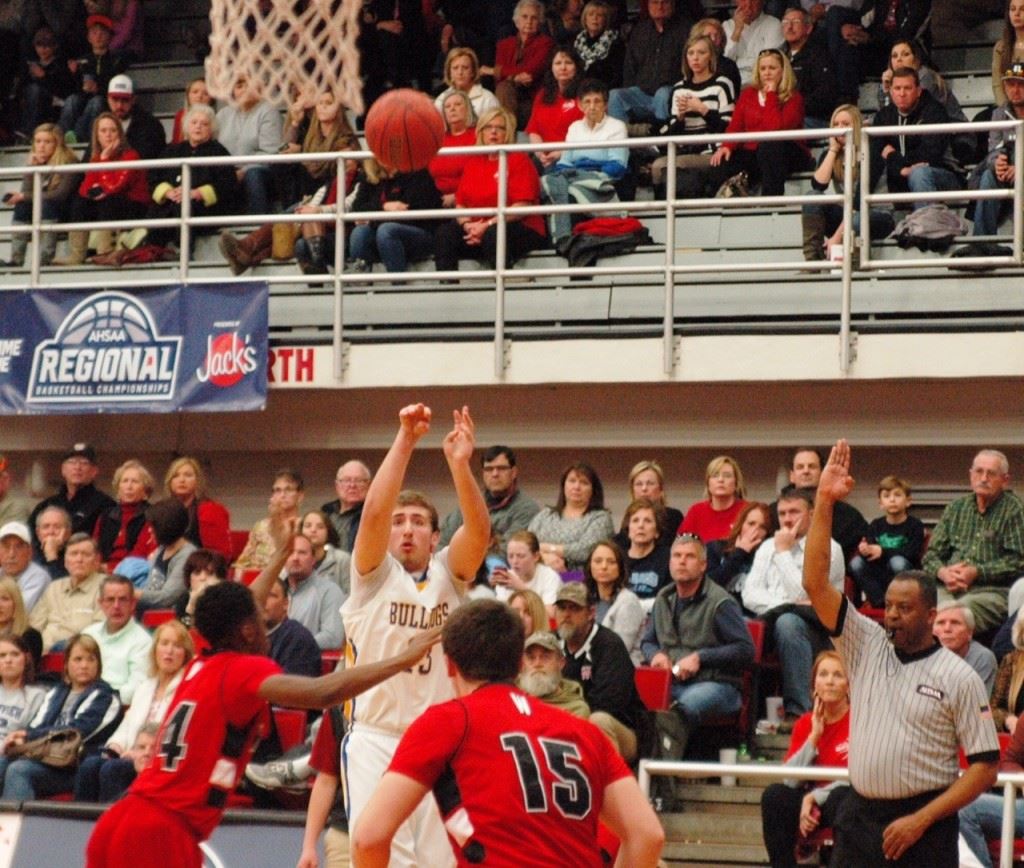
{"x":717,"y":825}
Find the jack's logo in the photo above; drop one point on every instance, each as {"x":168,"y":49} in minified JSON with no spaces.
{"x":108,"y":349}
{"x":228,"y":359}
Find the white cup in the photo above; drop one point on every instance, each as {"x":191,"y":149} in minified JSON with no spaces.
{"x":727,"y":756}
{"x":776,"y":711}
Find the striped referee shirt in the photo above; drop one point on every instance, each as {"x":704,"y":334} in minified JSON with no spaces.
{"x":909,"y":714}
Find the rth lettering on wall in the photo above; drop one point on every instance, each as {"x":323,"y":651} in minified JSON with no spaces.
{"x":291,"y":365}
{"x":108,"y":347}
{"x":417,"y":617}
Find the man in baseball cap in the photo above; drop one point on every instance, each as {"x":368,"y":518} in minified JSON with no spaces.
{"x":541,"y":675}
{"x":143,"y":132}
{"x":12,"y":507}
{"x":16,"y":562}
{"x":93,"y":73}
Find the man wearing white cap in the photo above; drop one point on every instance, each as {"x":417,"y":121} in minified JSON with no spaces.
{"x":16,"y":562}
{"x":143,"y":131}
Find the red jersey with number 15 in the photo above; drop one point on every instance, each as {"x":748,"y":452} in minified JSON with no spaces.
{"x":207,"y":737}
{"x":518,"y":783}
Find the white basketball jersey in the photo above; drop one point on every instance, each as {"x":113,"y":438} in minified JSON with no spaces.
{"x":386,"y":609}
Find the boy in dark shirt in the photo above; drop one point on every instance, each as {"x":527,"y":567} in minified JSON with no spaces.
{"x":894,"y":543}
{"x":92,"y":75}
{"x":48,"y":81}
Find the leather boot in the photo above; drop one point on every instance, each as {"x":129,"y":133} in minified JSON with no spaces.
{"x":78,"y":246}
{"x":102,"y":241}
{"x":814,"y":236}
{"x":47,"y":247}
{"x":317,"y":261}
{"x":242,"y":254}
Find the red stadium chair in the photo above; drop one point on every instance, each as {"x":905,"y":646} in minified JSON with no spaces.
{"x":52,"y":662}
{"x":329,"y":660}
{"x":291,"y":727}
{"x":653,"y":686}
{"x":745,"y":721}
{"x":247,"y":577}
{"x":239,"y":540}
{"x":155,"y":617}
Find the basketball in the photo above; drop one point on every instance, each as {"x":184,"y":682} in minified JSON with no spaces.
{"x":404,"y":130}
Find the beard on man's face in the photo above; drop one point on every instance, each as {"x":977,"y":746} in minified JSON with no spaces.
{"x":539,"y":683}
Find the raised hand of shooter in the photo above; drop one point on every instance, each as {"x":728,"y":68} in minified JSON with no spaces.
{"x":460,"y":442}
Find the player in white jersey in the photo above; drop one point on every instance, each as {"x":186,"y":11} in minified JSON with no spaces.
{"x":400,"y":587}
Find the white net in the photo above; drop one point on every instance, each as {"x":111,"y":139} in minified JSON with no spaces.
{"x":293,"y":48}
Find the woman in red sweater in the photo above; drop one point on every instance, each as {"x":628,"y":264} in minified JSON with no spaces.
{"x":770,"y":103}
{"x":520,"y":60}
{"x":108,"y":192}
{"x":459,"y":132}
{"x":713,"y":517}
{"x":209,"y":524}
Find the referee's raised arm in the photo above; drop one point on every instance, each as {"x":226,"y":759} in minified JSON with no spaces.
{"x":835,"y":484}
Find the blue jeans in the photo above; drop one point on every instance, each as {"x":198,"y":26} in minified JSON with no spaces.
{"x":881,"y":221}
{"x":557,"y":186}
{"x":79,"y":111}
{"x":697,"y":700}
{"x":257,"y":186}
{"x":983,"y":819}
{"x":393,"y":243}
{"x":873,"y":577}
{"x":987,"y":212}
{"x":929,"y":179}
{"x":795,"y":644}
{"x":27,"y":779}
{"x":632,"y":104}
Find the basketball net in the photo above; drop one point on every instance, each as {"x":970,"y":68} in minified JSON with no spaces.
{"x":290,"y":53}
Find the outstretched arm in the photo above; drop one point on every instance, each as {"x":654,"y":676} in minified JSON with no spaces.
{"x":374,"y":527}
{"x":835,"y":484}
{"x":469,"y":544}
{"x":283,"y":533}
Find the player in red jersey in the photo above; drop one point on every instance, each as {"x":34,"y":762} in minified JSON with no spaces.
{"x":209,"y":731}
{"x":519,"y":784}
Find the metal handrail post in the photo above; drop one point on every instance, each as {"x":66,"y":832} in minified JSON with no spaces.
{"x":338,"y":325}
{"x":864,"y":160}
{"x":1009,"y":818}
{"x":36,"y":237}
{"x":668,"y":330}
{"x":846,"y":312}
{"x":500,"y":263}
{"x":1018,"y":193}
{"x":186,"y":213}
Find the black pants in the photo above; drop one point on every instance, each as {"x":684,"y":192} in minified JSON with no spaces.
{"x":860,"y":822}
{"x":450,"y":245}
{"x":85,"y":210}
{"x":780,"y":820}
{"x":771,"y":163}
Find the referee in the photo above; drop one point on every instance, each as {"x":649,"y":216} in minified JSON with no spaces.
{"x":913,"y":704}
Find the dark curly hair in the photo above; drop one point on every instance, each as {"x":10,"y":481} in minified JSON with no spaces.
{"x":221,"y":611}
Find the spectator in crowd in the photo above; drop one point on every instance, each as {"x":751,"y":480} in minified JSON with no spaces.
{"x":65,"y":19}
{"x":541,"y":675}
{"x":713,"y":518}
{"x":332,"y":562}
{"x":459,"y":132}
{"x":563,"y":20}
{"x":71,"y":604}
{"x":323,"y":130}
{"x":350,"y":484}
{"x":599,"y":45}
{"x":1007,"y":695}
{"x":520,"y":60}
{"x":143,"y":132}
{"x":166,"y":588}
{"x":714,"y":30}
{"x":697,"y":633}
{"x":1009,"y":50}
{"x":213,"y":188}
{"x":919,"y":163}
{"x":14,"y":620}
{"x":587,"y":174}
{"x":394,"y":243}
{"x":202,"y":569}
{"x":998,"y":170}
{"x":13,"y":507}
{"x":894,"y":543}
{"x":126,"y":38}
{"x":977,"y":548}
{"x":313,"y":601}
{"x":647,"y":557}
{"x":597,"y":658}
{"x":478,"y":188}
{"x":286,"y":497}
{"x":17,"y":565}
{"x":772,"y":102}
{"x":848,"y":525}
{"x":82,"y":701}
{"x":569,"y":530}
{"x":531,"y":609}
{"x":730,"y":559}
{"x":555,"y":107}
{"x":793,"y":810}
{"x":107,"y":193}
{"x":46,"y":82}
{"x":196,"y":93}
{"x":462,"y":74}
{"x":104,"y":777}
{"x":859,"y":40}
{"x":954,"y":628}
{"x":209,"y":523}
{"x":701,"y":103}
{"x":748,"y":34}
{"x":124,"y":643}
{"x":20,"y":699}
{"x":77,"y":494}
{"x":48,"y":149}
{"x":647,"y":480}
{"x":774,"y":592}
{"x":248,"y":126}
{"x":606,"y":576}
{"x":93,"y":74}
{"x":654,"y":52}
{"x":523,"y":571}
{"x":292,"y":646}
{"x":123,"y":530}
{"x":812,"y":65}
{"x":53,"y":530}
{"x":823,"y":224}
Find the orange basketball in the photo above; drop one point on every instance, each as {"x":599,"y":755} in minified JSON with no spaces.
{"x":404,"y":130}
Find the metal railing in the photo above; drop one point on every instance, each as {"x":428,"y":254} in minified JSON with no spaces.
{"x":671,"y":208}
{"x":772,"y":772}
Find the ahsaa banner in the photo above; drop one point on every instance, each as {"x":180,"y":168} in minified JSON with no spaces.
{"x":153,"y":350}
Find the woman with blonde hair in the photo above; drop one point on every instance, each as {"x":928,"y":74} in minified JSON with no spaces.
{"x":1007,"y":696}
{"x":209,"y":523}
{"x":459,"y":132}
{"x":713,"y":518}
{"x":14,"y":619}
{"x":48,"y":149}
{"x":462,"y":74}
{"x":771,"y":103}
{"x":531,"y":609}
{"x":122,"y":530}
{"x":647,"y":480}
{"x":196,"y":93}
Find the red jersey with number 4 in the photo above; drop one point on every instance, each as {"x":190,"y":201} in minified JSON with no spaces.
{"x":207,"y":737}
{"x":518,"y":783}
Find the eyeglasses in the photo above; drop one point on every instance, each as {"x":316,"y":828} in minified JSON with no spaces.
{"x":495,"y":128}
{"x":348,"y":480}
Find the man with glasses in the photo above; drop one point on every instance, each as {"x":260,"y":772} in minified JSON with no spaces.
{"x":124,"y":642}
{"x":509,"y":508}
{"x":285,"y":499}
{"x":77,"y":495}
{"x":977,"y":548}
{"x":749,"y":32}
{"x":812,"y":65}
{"x":351,"y":483}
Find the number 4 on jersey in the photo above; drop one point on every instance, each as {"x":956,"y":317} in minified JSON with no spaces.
{"x":570,"y":791}
{"x":173,"y":745}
